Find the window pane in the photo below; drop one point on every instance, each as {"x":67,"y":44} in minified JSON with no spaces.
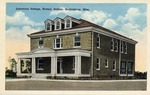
{"x":68,"y":23}
{"x":77,"y":38}
{"x":58,"y":25}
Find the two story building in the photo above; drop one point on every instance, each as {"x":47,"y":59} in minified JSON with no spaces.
{"x":71,"y":47}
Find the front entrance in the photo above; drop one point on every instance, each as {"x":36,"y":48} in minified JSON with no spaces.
{"x":59,"y":66}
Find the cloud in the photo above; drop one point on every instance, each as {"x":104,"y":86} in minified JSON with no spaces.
{"x":110,"y":23}
{"x":134,"y":16}
{"x":19,"y":18}
{"x":95,"y":16}
{"x":92,"y":16}
{"x":17,"y":33}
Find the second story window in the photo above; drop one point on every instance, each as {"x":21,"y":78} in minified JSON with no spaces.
{"x":112,"y":44}
{"x":68,"y":23}
{"x":57,"y":43}
{"x":116,"y":46}
{"x":77,"y":41}
{"x":58,"y":25}
{"x":48,"y":26}
{"x":98,"y":41}
{"x":125,"y":48}
{"x":40,"y":43}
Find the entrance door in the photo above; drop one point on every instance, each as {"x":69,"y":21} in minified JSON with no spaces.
{"x":59,"y":66}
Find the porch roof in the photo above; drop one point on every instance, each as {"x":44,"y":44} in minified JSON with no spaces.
{"x":47,"y":52}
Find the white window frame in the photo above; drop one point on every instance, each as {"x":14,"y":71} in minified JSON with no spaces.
{"x":112,"y":44}
{"x":55,"y":44}
{"x":114,"y":65}
{"x":59,"y":24}
{"x":77,"y":41}
{"x":125,"y":48}
{"x":98,"y":41}
{"x":116,"y":46}
{"x":46,"y":25}
{"x":38,"y":68}
{"x":106,"y":62}
{"x":70,"y":26}
{"x":40,"y":46}
{"x":98,"y":63}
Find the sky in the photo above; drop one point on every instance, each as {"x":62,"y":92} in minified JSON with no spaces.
{"x":128,"y":19}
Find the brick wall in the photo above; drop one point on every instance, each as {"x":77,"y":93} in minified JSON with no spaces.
{"x":68,"y":40}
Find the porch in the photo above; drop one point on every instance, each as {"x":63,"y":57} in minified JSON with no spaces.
{"x":44,"y":62}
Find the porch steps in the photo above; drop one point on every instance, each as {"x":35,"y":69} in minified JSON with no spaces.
{"x":39,"y":76}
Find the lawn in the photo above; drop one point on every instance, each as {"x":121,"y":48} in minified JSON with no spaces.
{"x":28,"y":84}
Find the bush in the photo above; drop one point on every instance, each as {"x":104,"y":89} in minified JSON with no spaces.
{"x":10,"y":73}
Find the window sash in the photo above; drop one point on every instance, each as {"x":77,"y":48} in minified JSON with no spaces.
{"x":68,"y":23}
{"x":77,"y":41}
{"x":40,"y":43}
{"x":112,"y":44}
{"x":58,"y":25}
{"x":58,"y":43}
{"x":97,"y":64}
{"x":40,"y":64}
{"x":48,"y":26}
{"x":114,"y":65}
{"x":98,"y":41}
{"x":106,"y":63}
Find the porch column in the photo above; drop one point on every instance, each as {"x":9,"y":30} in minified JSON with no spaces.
{"x":33,"y":65}
{"x":18,"y":66}
{"x":53,"y":65}
{"x":78,"y":65}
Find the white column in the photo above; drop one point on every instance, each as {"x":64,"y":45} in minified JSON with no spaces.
{"x":79,"y":64}
{"x":33,"y":65}
{"x":18,"y":66}
{"x":76,"y":65}
{"x":53,"y":66}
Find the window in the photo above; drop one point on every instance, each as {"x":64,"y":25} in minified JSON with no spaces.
{"x":130,"y":67}
{"x":125,"y":48}
{"x":123,"y":67}
{"x":40,"y":43}
{"x":68,"y":23}
{"x":58,"y":25}
{"x":77,"y":41}
{"x":40,"y":64}
{"x":106,"y":63}
{"x":97,"y":64}
{"x":116,"y":46}
{"x":58,"y":42}
{"x":73,"y":65}
{"x":48,"y":26}
{"x":121,"y":46}
{"x":98,"y":41}
{"x":114,"y":65}
{"x":112,"y":44}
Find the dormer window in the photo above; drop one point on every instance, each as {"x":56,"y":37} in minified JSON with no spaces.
{"x":48,"y":26}
{"x":58,"y":25}
{"x":68,"y":23}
